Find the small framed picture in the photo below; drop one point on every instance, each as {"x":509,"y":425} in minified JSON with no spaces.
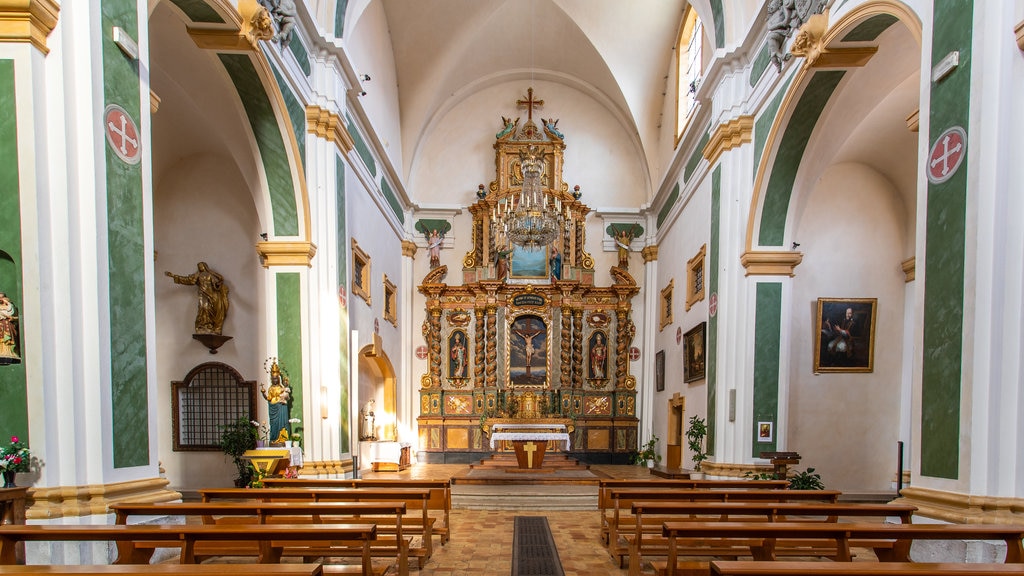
{"x":845,"y":335}
{"x":764,"y":432}
{"x":693,"y":353}
{"x":659,"y":371}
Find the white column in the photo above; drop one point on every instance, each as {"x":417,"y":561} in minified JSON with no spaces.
{"x":407,"y":385}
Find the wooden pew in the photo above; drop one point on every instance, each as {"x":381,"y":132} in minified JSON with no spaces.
{"x":607,"y":505}
{"x":647,"y":540}
{"x":762,"y":537}
{"x":618,"y":519}
{"x":257,"y":512}
{"x":416,"y":521}
{"x":439,"y":505}
{"x":754,"y":568}
{"x":272,"y":538}
{"x":171,"y":569}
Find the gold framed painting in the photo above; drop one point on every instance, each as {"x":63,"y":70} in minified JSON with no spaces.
{"x":845,"y":335}
{"x":694,"y":365}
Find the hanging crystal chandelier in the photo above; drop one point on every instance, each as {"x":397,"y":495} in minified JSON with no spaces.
{"x":534,"y":219}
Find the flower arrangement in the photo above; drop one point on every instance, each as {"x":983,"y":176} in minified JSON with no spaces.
{"x":15,"y":457}
{"x":262,"y":431}
{"x":296,"y":430}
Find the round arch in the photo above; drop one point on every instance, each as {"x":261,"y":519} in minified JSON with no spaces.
{"x":383,"y":388}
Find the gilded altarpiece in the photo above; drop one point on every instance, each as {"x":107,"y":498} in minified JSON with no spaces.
{"x":527,"y":348}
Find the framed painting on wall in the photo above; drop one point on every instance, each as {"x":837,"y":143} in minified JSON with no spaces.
{"x":659,"y":371}
{"x":693,"y":353}
{"x":845,"y":335}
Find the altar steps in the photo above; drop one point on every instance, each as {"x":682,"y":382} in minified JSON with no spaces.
{"x":524,"y":497}
{"x":551,"y":461}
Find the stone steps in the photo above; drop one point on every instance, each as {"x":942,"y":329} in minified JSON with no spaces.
{"x":524,"y":497}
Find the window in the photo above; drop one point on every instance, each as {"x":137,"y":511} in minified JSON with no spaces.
{"x":211,"y":396}
{"x":695,"y":278}
{"x":360,"y":272}
{"x":390,"y":302}
{"x":666,"y":305}
{"x":690,"y":67}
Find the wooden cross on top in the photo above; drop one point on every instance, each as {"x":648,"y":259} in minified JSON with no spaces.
{"x":529,"y":103}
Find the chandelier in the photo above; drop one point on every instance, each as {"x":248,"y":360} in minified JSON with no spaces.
{"x":535,"y":218}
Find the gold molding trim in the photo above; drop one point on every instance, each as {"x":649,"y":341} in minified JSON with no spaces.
{"x":409,"y":248}
{"x":254,"y":24}
{"x":909,"y":267}
{"x":325,"y":468}
{"x":665,"y":305}
{"x":771,"y":263}
{"x":732,"y":134}
{"x":1019,"y":31}
{"x":329,"y":126}
{"x":695,"y":277}
{"x":64,"y":501}
{"x":650,"y":254}
{"x":842,"y":57}
{"x":275,"y":253}
{"x":963,"y":508}
{"x":914,"y":121}
{"x":154,"y":102}
{"x":28,"y":21}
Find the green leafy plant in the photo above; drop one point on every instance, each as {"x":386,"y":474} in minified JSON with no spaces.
{"x":695,"y":435}
{"x":648,"y":451}
{"x":235,"y":439}
{"x":806,"y":480}
{"x":759,"y":475}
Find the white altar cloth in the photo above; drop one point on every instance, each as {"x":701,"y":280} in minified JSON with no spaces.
{"x":534,"y":426}
{"x":545,"y":436}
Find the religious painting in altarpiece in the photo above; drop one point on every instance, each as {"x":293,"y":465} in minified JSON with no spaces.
{"x":541,"y":335}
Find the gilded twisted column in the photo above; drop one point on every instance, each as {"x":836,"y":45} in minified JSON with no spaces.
{"x":435,"y":346}
{"x":478,"y":360}
{"x":566,"y":320}
{"x":622,"y":340}
{"x":492,"y":346}
{"x":577,"y":348}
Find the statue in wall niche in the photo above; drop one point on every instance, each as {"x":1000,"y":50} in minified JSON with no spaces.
{"x":8,"y":331}
{"x":785,"y":17}
{"x":367,"y":422}
{"x":434,"y":241}
{"x":278,"y":396}
{"x":213,"y":298}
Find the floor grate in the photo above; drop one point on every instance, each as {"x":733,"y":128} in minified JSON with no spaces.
{"x":533,"y":548}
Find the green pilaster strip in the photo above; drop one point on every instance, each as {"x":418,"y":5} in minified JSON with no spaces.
{"x":673,"y":197}
{"x":361,"y":148}
{"x":296,"y":113}
{"x":198,"y":11}
{"x":945,"y":253}
{"x":13,"y":385}
{"x":791,"y":152}
{"x":767,"y":347}
{"x":273,"y":152}
{"x":763,"y":125}
{"x":299,"y":51}
{"x":696,"y":157}
{"x":871,"y":28}
{"x":719,"y":16}
{"x":289,"y":335}
{"x":759,"y":65}
{"x":712,"y":277}
{"x":126,"y":257}
{"x":389,"y":195}
{"x":339,"y":18}
{"x":342,"y":235}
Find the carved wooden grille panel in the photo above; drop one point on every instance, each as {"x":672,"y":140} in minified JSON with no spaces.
{"x":211,"y":396}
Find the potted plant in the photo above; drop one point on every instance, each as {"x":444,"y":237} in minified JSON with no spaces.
{"x":648,"y":454}
{"x":15,"y":457}
{"x":235,"y":439}
{"x":806,"y":480}
{"x":695,"y":434}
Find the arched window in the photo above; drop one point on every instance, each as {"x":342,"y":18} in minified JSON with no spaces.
{"x":690,"y":69}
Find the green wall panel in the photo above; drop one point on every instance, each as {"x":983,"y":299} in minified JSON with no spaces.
{"x":712,"y":289}
{"x":945,"y":253}
{"x":296,"y":114}
{"x":791,"y":151}
{"x":299,"y":51}
{"x":361,"y":148}
{"x":767,"y":349}
{"x":871,"y":28}
{"x":339,"y":18}
{"x":273,"y":151}
{"x":763,"y":124}
{"x":343,"y":367}
{"x":673,"y":197}
{"x":13,"y":385}
{"x":289,"y":336}
{"x":389,"y":195}
{"x":198,"y":11}
{"x":696,"y":157}
{"x":125,"y":253}
{"x":759,"y":65}
{"x":719,"y":16}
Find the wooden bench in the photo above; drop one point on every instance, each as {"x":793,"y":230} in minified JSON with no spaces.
{"x":754,"y":568}
{"x":394,"y":545}
{"x":417,"y":520}
{"x":605,"y":487}
{"x":618,"y":518}
{"x":172,"y":569}
{"x":647,"y":540}
{"x":271,"y":538}
{"x":762,"y":537}
{"x":439,"y":505}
